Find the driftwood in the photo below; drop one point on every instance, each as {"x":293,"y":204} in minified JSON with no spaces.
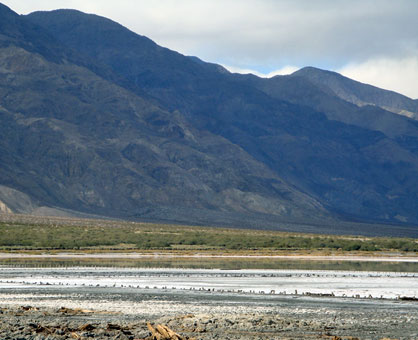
{"x":29,"y":308}
{"x":86,"y":327}
{"x":161,"y":332}
{"x":75,"y":311}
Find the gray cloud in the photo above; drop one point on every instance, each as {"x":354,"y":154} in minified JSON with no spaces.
{"x":265,"y":35}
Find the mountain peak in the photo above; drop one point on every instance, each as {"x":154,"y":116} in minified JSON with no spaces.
{"x":8,"y":21}
{"x":15,"y":30}
{"x":72,"y":15}
{"x":6,"y":10}
{"x":310,"y":71}
{"x":359,"y":93}
{"x":74,"y":22}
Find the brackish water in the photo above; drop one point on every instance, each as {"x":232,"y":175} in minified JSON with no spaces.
{"x":214,"y":263}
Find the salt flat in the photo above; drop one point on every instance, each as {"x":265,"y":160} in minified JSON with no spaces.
{"x":273,"y":282}
{"x":215,"y":304}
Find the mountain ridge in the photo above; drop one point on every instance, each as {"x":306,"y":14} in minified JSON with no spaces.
{"x":146,"y":133}
{"x":153,"y":163}
{"x":358,"y":93}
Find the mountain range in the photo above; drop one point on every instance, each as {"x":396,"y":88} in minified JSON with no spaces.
{"x":97,"y":120}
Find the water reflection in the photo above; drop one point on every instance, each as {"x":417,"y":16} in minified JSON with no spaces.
{"x":216,"y":263}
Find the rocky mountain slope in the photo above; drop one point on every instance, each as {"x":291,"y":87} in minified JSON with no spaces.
{"x":99,"y":120}
{"x":358,"y":93}
{"x":75,"y":140}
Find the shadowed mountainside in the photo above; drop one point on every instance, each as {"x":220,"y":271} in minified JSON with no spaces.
{"x":75,"y":140}
{"x":116,"y":125}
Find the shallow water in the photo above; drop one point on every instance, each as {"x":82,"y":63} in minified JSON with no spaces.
{"x":211,"y":263}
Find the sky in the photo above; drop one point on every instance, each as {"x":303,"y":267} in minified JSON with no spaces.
{"x":372,"y":41}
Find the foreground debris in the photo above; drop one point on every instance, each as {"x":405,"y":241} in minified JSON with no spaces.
{"x":27,"y":322}
{"x":161,"y":332}
{"x":32,"y":323}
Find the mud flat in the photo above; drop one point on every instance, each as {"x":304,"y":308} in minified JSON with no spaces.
{"x":202,"y":318}
{"x":206,"y":304}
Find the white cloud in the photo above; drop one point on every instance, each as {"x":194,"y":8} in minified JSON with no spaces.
{"x":257,"y":35}
{"x":267,"y":32}
{"x":400,"y":75}
{"x":283,"y":71}
{"x":280,"y":72}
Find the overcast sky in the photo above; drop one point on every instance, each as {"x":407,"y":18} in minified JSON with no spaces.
{"x":373,"y":41}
